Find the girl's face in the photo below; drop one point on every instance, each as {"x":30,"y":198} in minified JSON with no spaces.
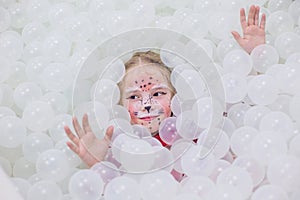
{"x":147,"y":96}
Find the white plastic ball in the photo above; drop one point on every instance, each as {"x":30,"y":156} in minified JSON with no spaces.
{"x":198,"y":185}
{"x":263,"y":57}
{"x":32,"y":49}
{"x":241,"y":139}
{"x":289,"y":82}
{"x":35,"y":144}
{"x":38,"y":116}
{"x":17,"y":74}
{"x":22,"y":186}
{"x":106,"y":91}
{"x":224,"y":192}
{"x":287,"y":43}
{"x":25,"y":93}
{"x":13,"y":131}
{"x":220,"y":165}
{"x":293,"y":58}
{"x":224,"y":47}
{"x":279,"y":22}
{"x":86,"y":184}
{"x":59,"y":13}
{"x":23,"y":168}
{"x":56,"y":77}
{"x":158,"y":185}
{"x":253,"y":167}
{"x":119,"y":111}
{"x":170,"y":53}
{"x":254,"y":114}
{"x":274,"y":5}
{"x":17,"y":11}
{"x":57,"y":101}
{"x":163,"y":159}
{"x":175,"y":74}
{"x":267,"y":145}
{"x":294,"y":147}
{"x":56,"y":129}
{"x":177,"y":150}
{"x":269,"y":192}
{"x":107,"y":170}
{"x":11,"y":45}
{"x":6,"y":166}
{"x":237,"y":177}
{"x":237,"y":113}
{"x":33,"y":31}
{"x":294,"y":9}
{"x":52,"y":165}
{"x":198,"y":160}
{"x":235,"y":87}
{"x":221,"y":24}
{"x":263,"y":90}
{"x":35,"y":67}
{"x":45,"y":189}
{"x":6,"y":19}
{"x":238,"y":61}
{"x":281,"y":104}
{"x":115,"y":71}
{"x":73,"y":159}
{"x":6,"y":111}
{"x":195,"y":25}
{"x":5,"y":69}
{"x":186,"y":127}
{"x":143,"y":12}
{"x":284,"y":172}
{"x":37,"y":10}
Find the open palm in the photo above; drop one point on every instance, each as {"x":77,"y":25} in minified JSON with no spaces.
{"x":253,"y":31}
{"x":86,"y":145}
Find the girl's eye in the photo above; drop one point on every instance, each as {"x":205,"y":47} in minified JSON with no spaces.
{"x":159,"y":94}
{"x":133,"y":97}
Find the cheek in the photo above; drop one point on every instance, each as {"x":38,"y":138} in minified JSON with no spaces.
{"x":166,"y":105}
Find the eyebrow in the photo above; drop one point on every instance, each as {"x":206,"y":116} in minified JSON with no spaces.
{"x":137,"y":89}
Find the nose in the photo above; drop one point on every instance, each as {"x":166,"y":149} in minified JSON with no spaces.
{"x":148,"y":108}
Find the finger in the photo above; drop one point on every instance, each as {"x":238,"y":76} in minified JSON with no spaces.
{"x":85,"y":124}
{"x":109,"y":133}
{"x":263,"y":21}
{"x":251,"y":15}
{"x":71,"y":136}
{"x":256,"y":17}
{"x":77,"y":127}
{"x":243,"y":19}
{"x":237,"y":36}
{"x":74,"y":148}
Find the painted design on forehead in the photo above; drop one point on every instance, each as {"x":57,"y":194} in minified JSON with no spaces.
{"x":143,"y":86}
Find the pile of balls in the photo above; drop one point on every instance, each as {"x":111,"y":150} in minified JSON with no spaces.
{"x":234,"y":133}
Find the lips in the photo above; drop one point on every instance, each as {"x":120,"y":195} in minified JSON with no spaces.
{"x":148,"y":118}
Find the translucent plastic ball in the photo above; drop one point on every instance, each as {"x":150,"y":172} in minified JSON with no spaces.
{"x":57,"y":101}
{"x":73,"y":159}
{"x":267,"y":145}
{"x":106,"y":91}
{"x":122,"y":188}
{"x":219,"y":167}
{"x":79,"y":27}
{"x":38,"y":10}
{"x":25,"y":93}
{"x":240,"y":141}
{"x":287,"y":43}
{"x":198,"y":185}
{"x":163,"y":159}
{"x":293,"y":58}
{"x":107,"y":170}
{"x":235,"y":87}
{"x":35,"y":144}
{"x":190,"y":85}
{"x":17,"y":74}
{"x":35,"y":66}
{"x":254,"y":114}
{"x":263,"y":57}
{"x":167,"y":130}
{"x":5,"y":69}
{"x":294,"y":147}
{"x":294,"y":9}
{"x":86,"y":184}
{"x":202,"y":112}
{"x":52,"y":165}
{"x":33,"y":31}
{"x":215,"y":140}
{"x":18,"y":14}
{"x":269,"y":192}
{"x":13,"y":131}
{"x":175,"y":74}
{"x":45,"y":189}
{"x":169,"y":53}
{"x":6,"y":166}
{"x":221,"y":24}
{"x":23,"y":168}
{"x":136,"y":156}
{"x":119,"y":111}
{"x":289,"y":81}
{"x":158,"y":185}
{"x":263,"y":90}
{"x":56,"y":129}
{"x":59,"y":12}
{"x":56,"y":77}
{"x":186,"y":127}
{"x":22,"y":186}
{"x":224,"y":192}
{"x":195,"y":25}
{"x":237,"y":112}
{"x":143,"y":12}
{"x":11,"y":45}
{"x":274,"y":5}
{"x":6,"y":19}
{"x":284,"y":171}
{"x":38,"y":116}
{"x":224,"y":47}
{"x":279,"y":22}
{"x":238,"y":61}
{"x":281,"y":104}
{"x":198,"y":160}
{"x":253,"y":167}
{"x":6,"y":111}
{"x":56,"y":46}
{"x":277,"y":122}
{"x":237,"y":177}
{"x":115,"y":71}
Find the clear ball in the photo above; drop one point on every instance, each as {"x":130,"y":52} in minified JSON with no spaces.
{"x":269,"y":192}
{"x":45,"y":189}
{"x":11,"y":45}
{"x":263,"y":57}
{"x":25,"y":93}
{"x":279,"y":22}
{"x":238,"y":61}
{"x":5,"y":19}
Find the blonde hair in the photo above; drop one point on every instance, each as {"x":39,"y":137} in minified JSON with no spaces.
{"x":149,"y":57}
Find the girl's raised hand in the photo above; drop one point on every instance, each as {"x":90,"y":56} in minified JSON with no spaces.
{"x":86,"y":145}
{"x":253,"y":30}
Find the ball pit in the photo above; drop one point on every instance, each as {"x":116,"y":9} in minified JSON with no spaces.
{"x":235,"y":128}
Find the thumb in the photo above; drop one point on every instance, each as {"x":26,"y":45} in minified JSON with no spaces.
{"x":236,"y":36}
{"x":109,"y":133}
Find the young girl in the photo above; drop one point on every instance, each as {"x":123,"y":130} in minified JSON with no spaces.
{"x":146,"y":92}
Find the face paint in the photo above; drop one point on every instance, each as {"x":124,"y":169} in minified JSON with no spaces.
{"x":147,"y":96}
